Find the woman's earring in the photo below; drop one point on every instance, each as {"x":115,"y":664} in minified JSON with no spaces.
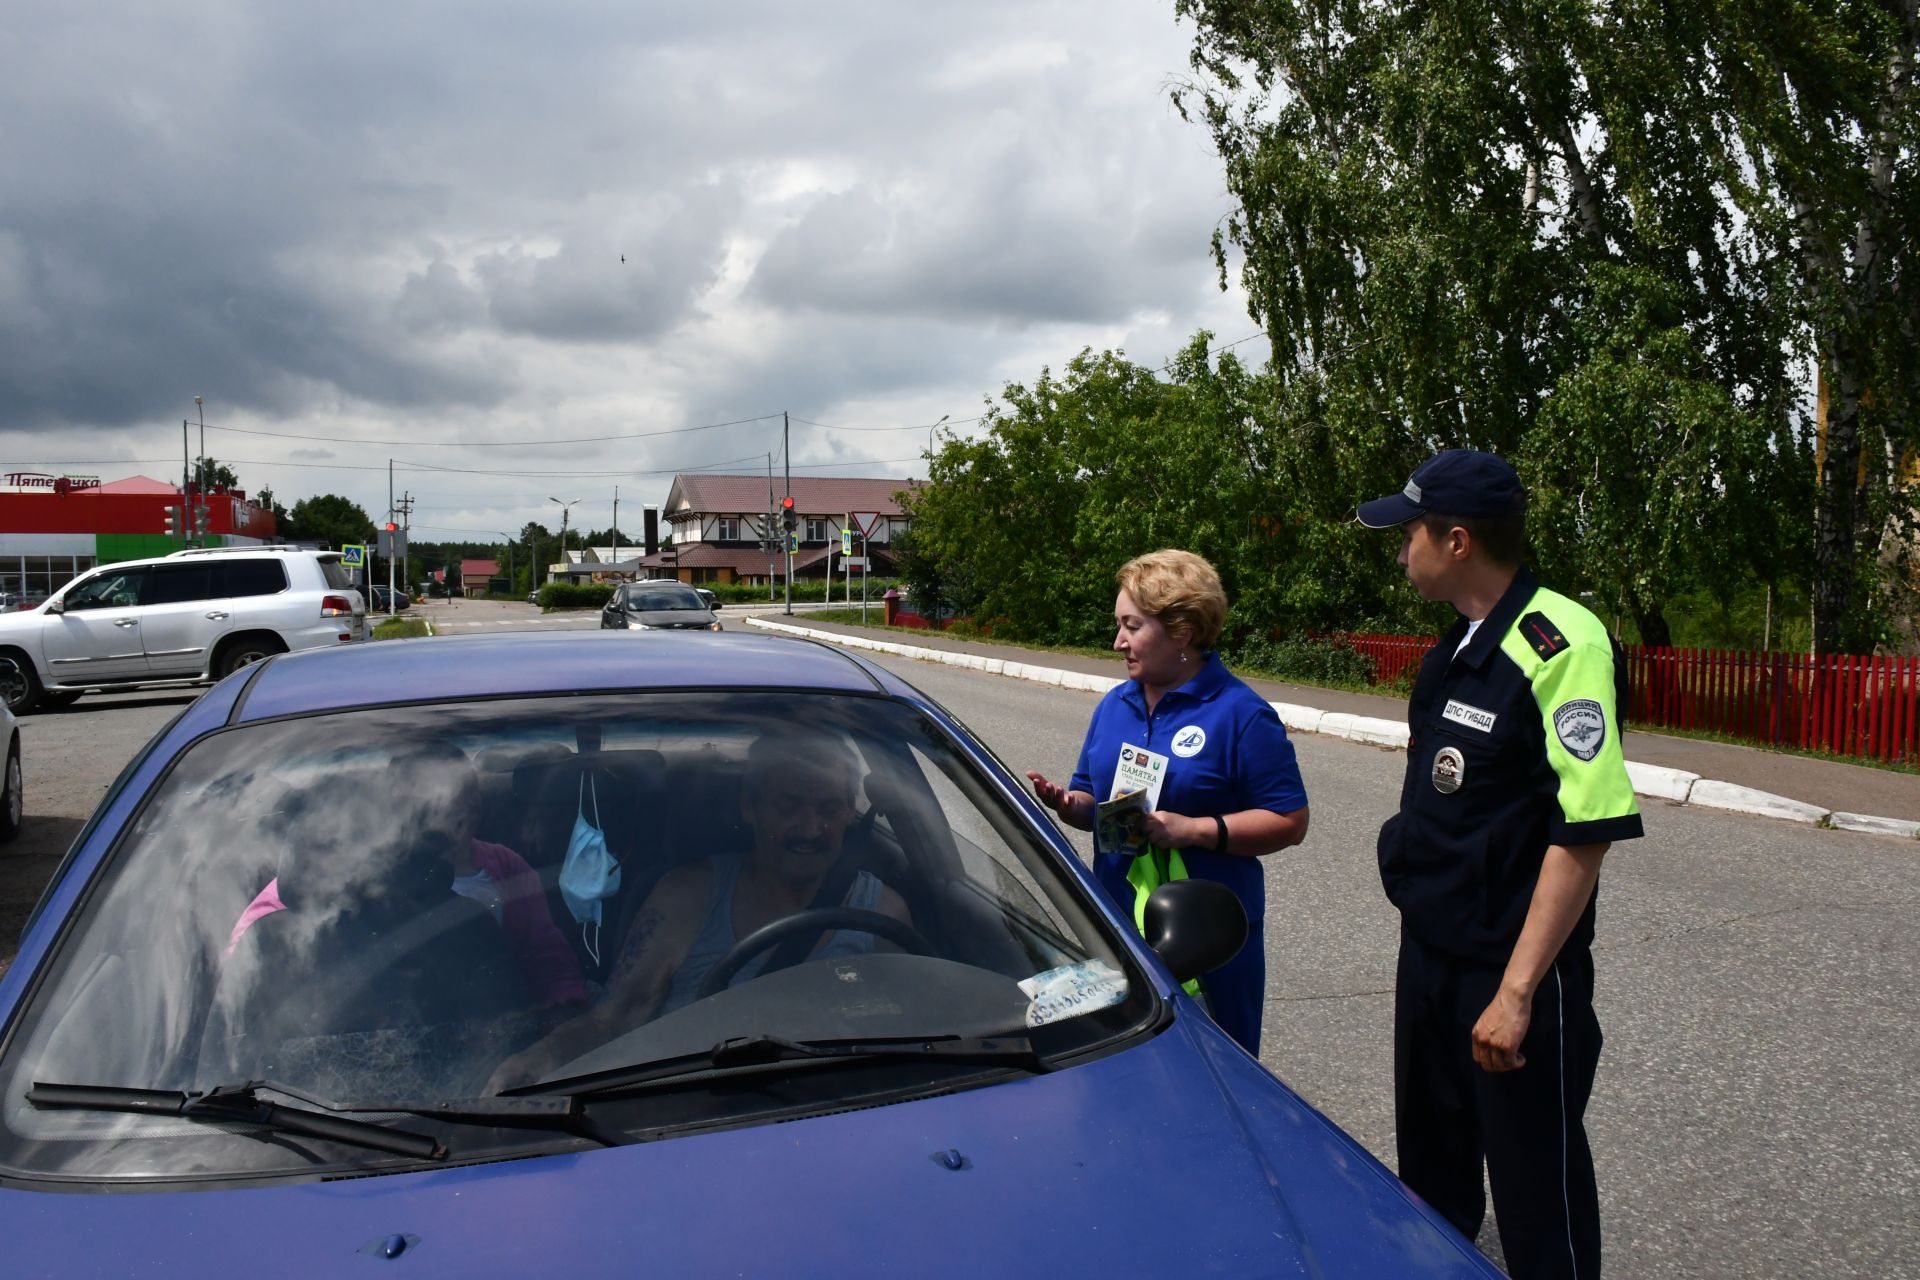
{"x":1183,"y":655}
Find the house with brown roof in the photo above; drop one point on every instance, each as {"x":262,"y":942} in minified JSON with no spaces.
{"x":721,"y":523}
{"x":476,"y":576}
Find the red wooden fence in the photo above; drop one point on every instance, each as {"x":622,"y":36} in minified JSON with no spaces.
{"x":1844,"y":704}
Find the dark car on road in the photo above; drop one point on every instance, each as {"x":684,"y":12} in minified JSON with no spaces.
{"x":387,"y":600}
{"x":657,"y":606}
{"x":258,"y":1026}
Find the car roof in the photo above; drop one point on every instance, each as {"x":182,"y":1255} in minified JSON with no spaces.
{"x":460,"y":668}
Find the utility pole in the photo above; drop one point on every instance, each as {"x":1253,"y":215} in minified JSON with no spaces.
{"x":200,"y":477}
{"x":406,"y":526}
{"x":186,"y":491}
{"x":786,"y":461}
{"x":616,"y":524}
{"x":767,"y":529}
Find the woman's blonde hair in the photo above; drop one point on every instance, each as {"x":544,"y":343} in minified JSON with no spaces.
{"x":1180,"y":589}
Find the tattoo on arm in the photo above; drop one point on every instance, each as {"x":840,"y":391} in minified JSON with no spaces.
{"x":633,"y":950}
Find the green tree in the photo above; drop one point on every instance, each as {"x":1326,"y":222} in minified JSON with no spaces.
{"x":1462,"y":223}
{"x":330,"y":519}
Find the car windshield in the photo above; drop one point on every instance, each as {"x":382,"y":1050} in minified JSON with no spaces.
{"x":384,"y":907}
{"x":662,"y":599}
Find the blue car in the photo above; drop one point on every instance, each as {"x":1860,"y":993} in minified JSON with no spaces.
{"x":723,"y":955}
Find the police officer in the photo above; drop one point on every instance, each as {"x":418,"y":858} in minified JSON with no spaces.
{"x":1515,"y":788}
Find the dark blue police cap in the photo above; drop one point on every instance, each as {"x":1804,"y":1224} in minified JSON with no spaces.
{"x":1456,"y":482}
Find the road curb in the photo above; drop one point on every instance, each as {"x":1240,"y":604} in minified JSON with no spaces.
{"x":1654,"y":781}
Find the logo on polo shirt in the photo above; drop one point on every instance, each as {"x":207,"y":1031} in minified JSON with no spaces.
{"x":1581,"y":726}
{"x":1188,"y":740}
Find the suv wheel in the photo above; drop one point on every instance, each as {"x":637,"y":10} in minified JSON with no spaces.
{"x":19,"y":686}
{"x":244,"y":653}
{"x":13,"y":797}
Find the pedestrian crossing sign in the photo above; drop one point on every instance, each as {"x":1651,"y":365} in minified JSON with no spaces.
{"x":353,"y":555}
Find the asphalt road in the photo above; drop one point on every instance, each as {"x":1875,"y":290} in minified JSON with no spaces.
{"x":1755,"y":1112}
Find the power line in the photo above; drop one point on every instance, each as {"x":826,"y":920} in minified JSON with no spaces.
{"x":491,"y":444}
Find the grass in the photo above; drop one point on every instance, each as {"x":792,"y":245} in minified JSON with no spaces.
{"x":1778,"y":748}
{"x":400,"y":628}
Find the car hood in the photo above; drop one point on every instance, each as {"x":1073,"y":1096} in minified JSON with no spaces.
{"x":1177,"y":1156}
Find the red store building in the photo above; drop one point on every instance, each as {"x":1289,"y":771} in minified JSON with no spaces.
{"x":53,"y":528}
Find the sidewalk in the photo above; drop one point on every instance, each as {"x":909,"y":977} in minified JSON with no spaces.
{"x":1665,"y":767}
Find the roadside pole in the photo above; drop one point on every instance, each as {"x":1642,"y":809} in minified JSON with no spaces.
{"x":786,"y":460}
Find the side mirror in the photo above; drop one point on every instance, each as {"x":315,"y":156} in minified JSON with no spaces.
{"x":56,"y":606}
{"x":714,"y":607}
{"x":1195,"y":926}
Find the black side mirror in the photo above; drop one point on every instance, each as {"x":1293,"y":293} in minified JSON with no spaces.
{"x":1195,"y":926}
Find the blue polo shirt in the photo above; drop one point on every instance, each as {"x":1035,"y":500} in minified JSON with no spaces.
{"x":1226,"y":751}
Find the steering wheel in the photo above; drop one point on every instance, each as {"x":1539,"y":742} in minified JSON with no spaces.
{"x":812,"y":920}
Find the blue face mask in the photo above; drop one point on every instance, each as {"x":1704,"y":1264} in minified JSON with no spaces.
{"x":589,"y":875}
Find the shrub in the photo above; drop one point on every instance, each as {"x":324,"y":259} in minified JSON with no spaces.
{"x":571,"y":595}
{"x":1306,"y":658}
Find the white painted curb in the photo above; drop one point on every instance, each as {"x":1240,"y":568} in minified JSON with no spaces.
{"x":1712,"y":794}
{"x":1660,"y":782}
{"x":1875,"y":826}
{"x":1656,"y":781}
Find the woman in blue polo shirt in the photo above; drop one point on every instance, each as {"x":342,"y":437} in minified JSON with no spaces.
{"x":1222,"y":785}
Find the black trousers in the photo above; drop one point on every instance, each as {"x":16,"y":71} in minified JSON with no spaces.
{"x":1449,"y":1115}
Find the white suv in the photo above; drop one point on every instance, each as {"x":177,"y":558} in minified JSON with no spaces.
{"x":194,"y":615}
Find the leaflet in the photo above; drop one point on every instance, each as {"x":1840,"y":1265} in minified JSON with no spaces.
{"x":1112,"y":832}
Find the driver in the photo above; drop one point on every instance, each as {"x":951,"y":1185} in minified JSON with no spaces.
{"x":797,"y":802}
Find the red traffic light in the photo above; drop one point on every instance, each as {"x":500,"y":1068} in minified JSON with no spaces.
{"x":391,"y":526}
{"x":786,"y":504}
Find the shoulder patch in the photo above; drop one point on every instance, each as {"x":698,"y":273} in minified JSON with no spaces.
{"x":1540,"y":632}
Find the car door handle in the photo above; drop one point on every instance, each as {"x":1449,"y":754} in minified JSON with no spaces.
{"x":126,"y":622}
{"x":215,"y":615}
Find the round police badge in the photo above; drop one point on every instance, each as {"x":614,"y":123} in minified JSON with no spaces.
{"x":1449,"y":770}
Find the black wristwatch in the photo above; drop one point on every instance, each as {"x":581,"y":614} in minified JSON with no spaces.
{"x":1219,"y":834}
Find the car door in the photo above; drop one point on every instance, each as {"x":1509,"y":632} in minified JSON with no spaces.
{"x":614,"y":613}
{"x":182,"y":619}
{"x":96,"y":634}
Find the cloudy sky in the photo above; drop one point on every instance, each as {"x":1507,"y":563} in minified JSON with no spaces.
{"x":366,"y":232}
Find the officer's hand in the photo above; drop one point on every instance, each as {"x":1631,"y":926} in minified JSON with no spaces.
{"x":1498,"y":1033}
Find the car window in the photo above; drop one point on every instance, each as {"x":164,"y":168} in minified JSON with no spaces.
{"x":337,"y":576}
{"x":662,"y":599}
{"x":179,"y":583}
{"x":361,"y":906}
{"x":109,"y":589}
{"x":252,"y":577}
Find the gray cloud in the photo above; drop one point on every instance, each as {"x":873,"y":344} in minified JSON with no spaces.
{"x":364,"y":223}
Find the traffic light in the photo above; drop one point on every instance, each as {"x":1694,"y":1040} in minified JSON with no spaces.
{"x":789,"y":519}
{"x":200,"y":514}
{"x":173,"y":520}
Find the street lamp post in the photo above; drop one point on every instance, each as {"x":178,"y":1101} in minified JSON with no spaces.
{"x":930,"y":430}
{"x":566,"y":509}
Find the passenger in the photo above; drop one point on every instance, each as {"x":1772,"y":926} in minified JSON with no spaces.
{"x":798,"y":802}
{"x":443,"y":796}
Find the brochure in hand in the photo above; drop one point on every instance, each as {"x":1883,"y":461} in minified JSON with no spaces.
{"x":1112,"y":830}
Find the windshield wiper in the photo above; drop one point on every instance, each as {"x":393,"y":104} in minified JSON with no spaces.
{"x":241,"y":1104}
{"x":755,"y":1054}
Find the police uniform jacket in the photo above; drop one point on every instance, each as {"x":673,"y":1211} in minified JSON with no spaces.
{"x":1515,"y":745}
